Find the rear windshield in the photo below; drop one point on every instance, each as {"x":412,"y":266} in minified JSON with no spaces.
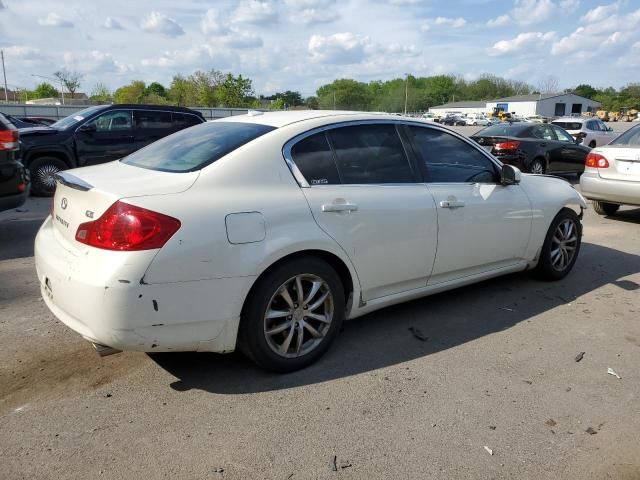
{"x":196,"y":147}
{"x":5,"y":123}
{"x":569,"y":125}
{"x":630,"y":137}
{"x":502,"y":130}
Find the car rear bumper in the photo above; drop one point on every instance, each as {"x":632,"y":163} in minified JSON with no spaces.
{"x":621,"y":192}
{"x":100,"y":295}
{"x":13,"y":201}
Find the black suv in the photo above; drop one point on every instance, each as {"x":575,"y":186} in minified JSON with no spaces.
{"x":95,"y":135}
{"x":14,"y":178}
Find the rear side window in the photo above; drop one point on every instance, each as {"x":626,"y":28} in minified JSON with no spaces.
{"x":314,"y":159}
{"x":183,"y":120}
{"x":195,"y":148}
{"x":569,"y":125}
{"x":145,"y":119}
{"x":544,"y":132}
{"x":447,"y":159}
{"x":370,"y":154}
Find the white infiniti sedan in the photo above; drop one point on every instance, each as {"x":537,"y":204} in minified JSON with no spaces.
{"x":264,"y":232}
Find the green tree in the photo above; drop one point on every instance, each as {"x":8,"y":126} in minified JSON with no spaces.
{"x":585,"y":90}
{"x":132,"y":93}
{"x":157,"y":89}
{"x":182,"y":92}
{"x":101,"y":93}
{"x":235,"y":91}
{"x":345,"y":94}
{"x":45,"y":90}
{"x":311,"y":102}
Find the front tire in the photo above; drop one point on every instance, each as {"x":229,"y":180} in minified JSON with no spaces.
{"x":604,"y":208}
{"x":561,"y":246}
{"x":43,"y":170}
{"x":292,"y":315}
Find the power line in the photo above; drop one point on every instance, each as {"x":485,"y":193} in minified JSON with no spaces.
{"x":4,"y":74}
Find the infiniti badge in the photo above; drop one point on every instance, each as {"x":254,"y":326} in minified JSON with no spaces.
{"x":63,"y":203}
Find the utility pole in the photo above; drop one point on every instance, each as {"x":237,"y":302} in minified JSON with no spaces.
{"x":334,"y":99}
{"x":406,"y":92}
{"x":4,"y":74}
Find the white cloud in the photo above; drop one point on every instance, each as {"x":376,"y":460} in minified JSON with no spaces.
{"x":212,"y":23}
{"x":524,"y":41}
{"x":312,"y":12}
{"x":527,"y":12}
{"x":339,"y":48}
{"x":20,"y":52}
{"x":443,"y":22}
{"x":2,"y":7}
{"x":94,"y":61}
{"x":55,"y":20}
{"x":242,"y":40}
{"x":569,"y":6}
{"x":111,"y":23}
{"x":499,"y":21}
{"x":254,"y":11}
{"x":158,"y":22}
{"x":600,"y":13}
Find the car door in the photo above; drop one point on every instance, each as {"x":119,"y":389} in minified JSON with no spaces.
{"x":364,"y":193}
{"x":151,"y":125}
{"x":571,"y":156}
{"x":606,"y":134}
{"x":105,"y":138}
{"x":482,"y":225}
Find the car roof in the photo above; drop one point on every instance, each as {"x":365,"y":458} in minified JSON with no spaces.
{"x":142,"y":106}
{"x":573,"y":119}
{"x":283,"y":118}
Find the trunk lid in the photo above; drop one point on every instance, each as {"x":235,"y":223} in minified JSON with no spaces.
{"x":624,"y":163}
{"x":84,"y":194}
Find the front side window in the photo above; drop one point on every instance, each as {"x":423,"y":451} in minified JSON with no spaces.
{"x":183,"y":120}
{"x":563,"y":136}
{"x":195,"y":148}
{"x":113,"y":121}
{"x":593,"y":125}
{"x":447,"y":159}
{"x":370,"y":154}
{"x":314,"y":159}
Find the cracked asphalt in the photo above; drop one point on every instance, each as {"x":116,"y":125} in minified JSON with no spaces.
{"x":497,"y":370}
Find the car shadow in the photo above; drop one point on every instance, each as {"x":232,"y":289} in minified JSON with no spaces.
{"x":16,"y":238}
{"x":628,"y":216}
{"x":384,"y":338}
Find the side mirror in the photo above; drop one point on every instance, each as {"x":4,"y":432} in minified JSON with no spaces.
{"x":88,"y":127}
{"x":510,"y":175}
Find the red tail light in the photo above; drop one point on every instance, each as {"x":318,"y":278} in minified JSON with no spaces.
{"x":507,"y":145}
{"x":595,"y":160}
{"x":580,"y":135}
{"x":126,"y":227}
{"x":9,"y":139}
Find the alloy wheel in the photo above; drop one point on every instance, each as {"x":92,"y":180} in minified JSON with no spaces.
{"x":299,"y":315}
{"x":45,"y":175}
{"x":537,"y":167}
{"x":563,"y":244}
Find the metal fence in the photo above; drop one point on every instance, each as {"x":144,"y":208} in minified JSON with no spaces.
{"x":61,"y":111}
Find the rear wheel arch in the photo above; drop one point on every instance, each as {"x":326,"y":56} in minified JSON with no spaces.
{"x":60,"y":155}
{"x":331,"y":259}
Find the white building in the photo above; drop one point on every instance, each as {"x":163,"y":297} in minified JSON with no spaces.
{"x":462,"y":108}
{"x":546,"y":105}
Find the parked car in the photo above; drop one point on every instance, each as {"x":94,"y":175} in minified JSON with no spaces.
{"x":430,"y":117}
{"x":453,"y":120}
{"x":95,"y":135}
{"x":14,"y":179}
{"x":534,"y":147}
{"x":20,"y":122}
{"x":592,"y":131}
{"x":264,"y":232}
{"x":39,"y":120}
{"x":536,"y":119}
{"x":474,"y":119}
{"x":612,"y":174}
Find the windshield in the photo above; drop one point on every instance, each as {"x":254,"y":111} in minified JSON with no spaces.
{"x":196,"y":147}
{"x":75,"y":118}
{"x":630,"y":137}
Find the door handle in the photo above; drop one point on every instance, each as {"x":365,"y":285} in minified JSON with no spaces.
{"x":339,"y":207}
{"x":451,"y":204}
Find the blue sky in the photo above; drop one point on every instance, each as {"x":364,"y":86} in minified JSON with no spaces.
{"x":302,"y":44}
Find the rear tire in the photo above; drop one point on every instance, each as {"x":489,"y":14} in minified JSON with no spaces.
{"x":603,"y":208}
{"x":561,"y":246}
{"x":283,"y":330}
{"x":537,"y":166}
{"x":43,"y":170}
{"x":592,"y":144}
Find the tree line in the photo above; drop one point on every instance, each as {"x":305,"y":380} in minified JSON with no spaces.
{"x":214,"y":88}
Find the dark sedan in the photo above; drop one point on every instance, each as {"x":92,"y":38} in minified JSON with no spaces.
{"x":534,"y":147}
{"x":14,"y":179}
